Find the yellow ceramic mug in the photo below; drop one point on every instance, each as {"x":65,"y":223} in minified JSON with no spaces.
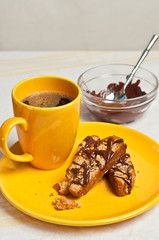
{"x":46,"y":135}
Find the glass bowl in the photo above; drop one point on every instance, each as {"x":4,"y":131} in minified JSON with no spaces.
{"x":116,"y":111}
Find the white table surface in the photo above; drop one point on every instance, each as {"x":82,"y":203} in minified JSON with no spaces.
{"x":16,"y":66}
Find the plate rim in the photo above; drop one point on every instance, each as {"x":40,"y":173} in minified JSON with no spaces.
{"x":87,"y":223}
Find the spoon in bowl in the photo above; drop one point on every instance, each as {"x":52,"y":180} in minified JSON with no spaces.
{"x":121,"y":93}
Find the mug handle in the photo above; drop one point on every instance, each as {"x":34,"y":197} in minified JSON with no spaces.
{"x":4,"y":132}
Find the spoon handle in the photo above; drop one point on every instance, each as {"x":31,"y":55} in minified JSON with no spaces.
{"x":143,"y":55}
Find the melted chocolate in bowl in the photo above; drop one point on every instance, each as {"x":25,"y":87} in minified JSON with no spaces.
{"x":118,"y":115}
{"x":133,"y":90}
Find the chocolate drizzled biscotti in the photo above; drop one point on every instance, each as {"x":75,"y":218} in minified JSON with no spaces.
{"x":93,"y":159}
{"x":122,"y":176}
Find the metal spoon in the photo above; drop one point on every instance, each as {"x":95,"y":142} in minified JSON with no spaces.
{"x":121,"y":93}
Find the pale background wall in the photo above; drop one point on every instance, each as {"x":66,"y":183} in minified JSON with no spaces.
{"x":77,"y":24}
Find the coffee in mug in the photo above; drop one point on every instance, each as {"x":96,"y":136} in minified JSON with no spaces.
{"x":47,"y":99}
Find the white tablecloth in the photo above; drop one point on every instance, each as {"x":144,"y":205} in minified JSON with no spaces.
{"x":16,"y":66}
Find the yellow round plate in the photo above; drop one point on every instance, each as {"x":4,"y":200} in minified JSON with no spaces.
{"x":28,"y":189}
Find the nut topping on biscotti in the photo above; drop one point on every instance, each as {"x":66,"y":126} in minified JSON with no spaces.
{"x":93,"y":159}
{"x":122,"y":176}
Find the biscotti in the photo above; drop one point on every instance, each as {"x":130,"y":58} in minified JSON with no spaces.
{"x":65,"y":204}
{"x":93,"y":159}
{"x":122,"y":176}
{"x":62,"y":187}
